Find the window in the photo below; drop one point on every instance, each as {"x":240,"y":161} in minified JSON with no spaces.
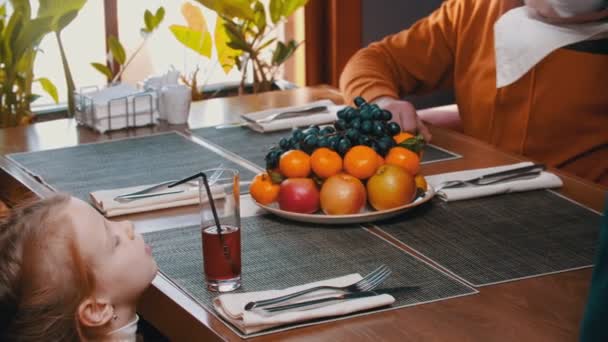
{"x":83,"y":42}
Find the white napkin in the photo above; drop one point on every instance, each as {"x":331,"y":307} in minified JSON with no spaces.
{"x":104,"y":199}
{"x":95,"y":110}
{"x":521,"y":40}
{"x":318,"y":118}
{"x":543,"y":181}
{"x":231,"y":306}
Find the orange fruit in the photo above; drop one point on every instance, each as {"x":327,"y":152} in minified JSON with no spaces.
{"x":263,"y":190}
{"x":342,"y":194}
{"x":294,"y":164}
{"x":380,"y":160}
{"x":403,"y":136}
{"x":325,"y":162}
{"x":404,"y":158}
{"x":390,"y":187}
{"x":421,"y":182}
{"x":361,"y":161}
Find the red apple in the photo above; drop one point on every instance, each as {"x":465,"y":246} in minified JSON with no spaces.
{"x":342,"y":194}
{"x":299,"y":195}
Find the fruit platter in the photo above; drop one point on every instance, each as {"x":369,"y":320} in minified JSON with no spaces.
{"x":360,"y":169}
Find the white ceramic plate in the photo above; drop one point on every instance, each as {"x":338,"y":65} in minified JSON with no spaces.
{"x":368,"y":215}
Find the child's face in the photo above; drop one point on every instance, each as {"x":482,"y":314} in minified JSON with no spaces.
{"x":120,"y":259}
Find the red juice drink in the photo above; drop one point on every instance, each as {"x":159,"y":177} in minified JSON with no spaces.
{"x":222,"y":258}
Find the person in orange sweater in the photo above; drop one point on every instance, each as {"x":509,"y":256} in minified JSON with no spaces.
{"x":529,"y":77}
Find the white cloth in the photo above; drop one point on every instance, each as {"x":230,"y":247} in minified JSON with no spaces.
{"x":318,"y":118}
{"x":104,"y":199}
{"x":126,"y":333}
{"x":543,"y":181}
{"x":522,"y":40}
{"x":231,"y":306}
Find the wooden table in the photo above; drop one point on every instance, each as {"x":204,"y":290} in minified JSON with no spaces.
{"x":547,"y":308}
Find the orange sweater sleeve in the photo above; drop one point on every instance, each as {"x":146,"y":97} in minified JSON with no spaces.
{"x":412,"y":61}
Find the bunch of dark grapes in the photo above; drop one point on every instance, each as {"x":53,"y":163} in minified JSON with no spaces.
{"x":367,"y":124}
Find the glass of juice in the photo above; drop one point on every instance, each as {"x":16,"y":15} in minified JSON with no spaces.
{"x":221,"y":245}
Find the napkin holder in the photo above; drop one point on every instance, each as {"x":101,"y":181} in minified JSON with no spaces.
{"x":120,"y":107}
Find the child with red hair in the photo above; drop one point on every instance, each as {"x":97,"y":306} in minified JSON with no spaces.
{"x":68,"y":274}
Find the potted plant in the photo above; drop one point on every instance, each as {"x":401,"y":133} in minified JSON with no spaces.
{"x":243,"y":38}
{"x":20,"y":35}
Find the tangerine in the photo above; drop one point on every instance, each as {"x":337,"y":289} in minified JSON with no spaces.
{"x":294,"y":164}
{"x":421,"y":182}
{"x":403,"y":136}
{"x":380,"y":160}
{"x":263,"y":190}
{"x":361,"y":161}
{"x":390,"y":187}
{"x":401,"y":156}
{"x":325,"y":162}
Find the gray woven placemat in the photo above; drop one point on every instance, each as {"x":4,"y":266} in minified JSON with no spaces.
{"x":278,"y":254}
{"x":253,"y":146}
{"x":121,"y":163}
{"x":502,"y":238}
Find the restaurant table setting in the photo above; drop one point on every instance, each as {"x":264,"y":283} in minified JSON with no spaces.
{"x":475,"y":227}
{"x":122,"y":163}
{"x":276,"y":119}
{"x":461,"y":185}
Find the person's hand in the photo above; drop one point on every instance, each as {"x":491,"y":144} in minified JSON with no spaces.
{"x":405,"y":115}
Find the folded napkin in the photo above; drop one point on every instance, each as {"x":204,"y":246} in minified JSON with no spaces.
{"x":522,"y":39}
{"x":317,"y":118}
{"x":104,"y":199}
{"x":231,"y":306}
{"x":543,"y":181}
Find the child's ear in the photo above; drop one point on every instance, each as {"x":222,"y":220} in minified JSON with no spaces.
{"x":95,"y":313}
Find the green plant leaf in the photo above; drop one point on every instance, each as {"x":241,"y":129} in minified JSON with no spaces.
{"x":3,"y":10}
{"x":276,"y":7}
{"x":196,"y":40}
{"x":159,"y":15}
{"x":103,"y":69}
{"x":230,"y":8}
{"x":260,"y":16}
{"x":283,"y":51}
{"x":117,"y":50}
{"x":149,"y":21}
{"x":279,"y":53}
{"x":236,"y":39}
{"x":23,"y":7}
{"x":65,"y":20}
{"x":265,"y":44}
{"x":227,"y":57}
{"x":290,"y":6}
{"x":10,"y":32}
{"x":62,"y":11}
{"x":32,"y":97}
{"x":49,"y":88}
{"x":194,"y":17}
{"x":31,"y":34}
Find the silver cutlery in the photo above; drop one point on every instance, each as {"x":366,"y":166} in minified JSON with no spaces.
{"x":526,"y":172}
{"x":148,"y":192}
{"x":340,"y":297}
{"x":287,"y":114}
{"x":368,"y":283}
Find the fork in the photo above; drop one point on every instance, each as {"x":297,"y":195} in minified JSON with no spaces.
{"x":289,"y":114}
{"x":368,"y":283}
{"x":530,"y":171}
{"x":148,"y":192}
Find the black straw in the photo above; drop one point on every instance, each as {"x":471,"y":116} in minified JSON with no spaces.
{"x":213,"y":210}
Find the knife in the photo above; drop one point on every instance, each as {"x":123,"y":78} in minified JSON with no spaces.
{"x":344,"y":296}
